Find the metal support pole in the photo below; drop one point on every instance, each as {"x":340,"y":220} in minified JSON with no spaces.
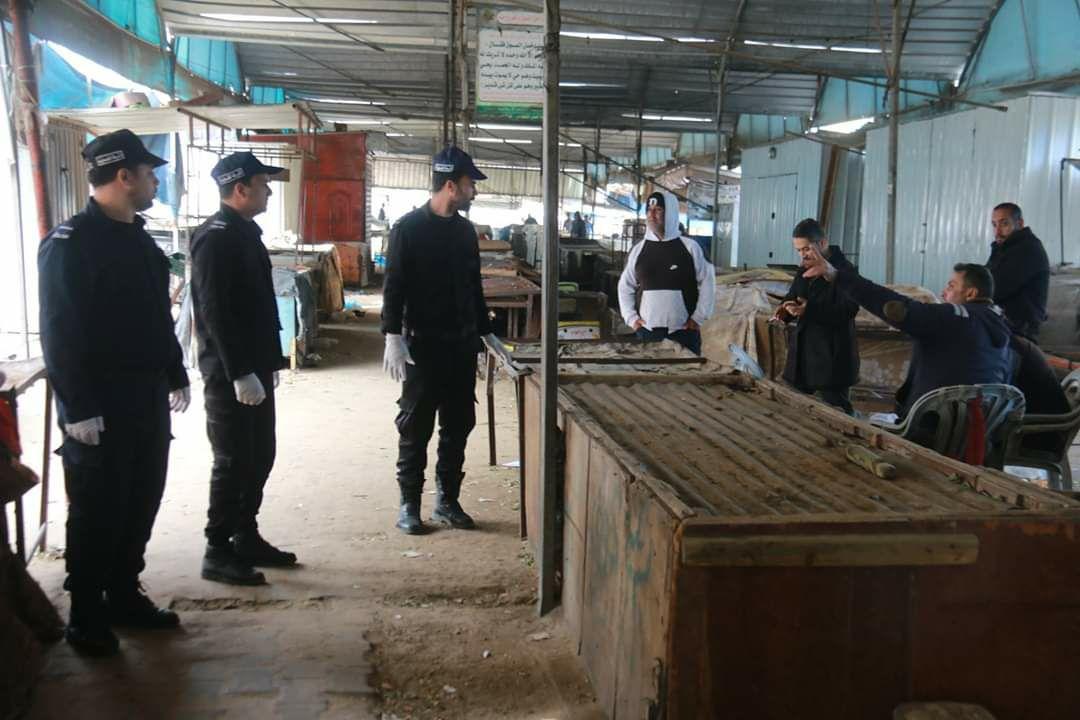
{"x":894,"y":137}
{"x":446,"y":102}
{"x":26,"y":84}
{"x":721,"y":137}
{"x":721,"y":156}
{"x":46,"y":463}
{"x":596,"y":174}
{"x":20,"y":241}
{"x":452,"y":59}
{"x":637,"y":164}
{"x":462,"y":68}
{"x":549,"y":368}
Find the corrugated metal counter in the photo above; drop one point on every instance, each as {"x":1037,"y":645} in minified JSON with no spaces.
{"x":721,"y":557}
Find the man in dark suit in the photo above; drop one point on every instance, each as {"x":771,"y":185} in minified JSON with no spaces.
{"x":823,"y":357}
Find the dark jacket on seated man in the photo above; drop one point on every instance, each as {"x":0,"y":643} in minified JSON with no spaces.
{"x":1037,"y":380}
{"x":955,"y":343}
{"x":1042,"y":391}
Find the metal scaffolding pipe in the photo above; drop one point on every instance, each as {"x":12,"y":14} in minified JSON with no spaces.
{"x":894,"y":138}
{"x":718,"y":160}
{"x":27,"y":93}
{"x":549,"y":367}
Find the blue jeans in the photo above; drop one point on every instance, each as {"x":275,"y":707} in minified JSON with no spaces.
{"x":689,"y":339}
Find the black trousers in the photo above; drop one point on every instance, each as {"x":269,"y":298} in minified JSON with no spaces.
{"x":689,"y":339}
{"x":114,"y":489}
{"x":244,"y":444}
{"x":839,"y":398}
{"x":442,"y":381}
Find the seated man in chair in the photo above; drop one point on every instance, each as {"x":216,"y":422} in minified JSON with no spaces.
{"x":963,"y":341}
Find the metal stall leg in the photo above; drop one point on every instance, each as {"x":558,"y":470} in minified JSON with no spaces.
{"x":519,"y":391}
{"x":490,"y":391}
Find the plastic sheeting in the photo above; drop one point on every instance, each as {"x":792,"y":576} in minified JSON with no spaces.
{"x":844,"y":100}
{"x":1029,"y":40}
{"x":214,"y":60}
{"x":138,"y":17}
{"x":62,"y":86}
{"x":261,"y":95}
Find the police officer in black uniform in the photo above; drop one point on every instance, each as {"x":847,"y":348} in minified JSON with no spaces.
{"x":433,"y":317}
{"x":236,"y":322}
{"x":116,"y":367}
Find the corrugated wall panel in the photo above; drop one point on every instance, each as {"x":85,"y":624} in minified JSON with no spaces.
{"x":872,"y":226}
{"x":955,"y":168}
{"x":952,"y":170}
{"x":1054,"y":133}
{"x":763,"y":202}
{"x":843,"y":226}
{"x":401,"y":174}
{"x":66,"y":171}
{"x":416,"y":175}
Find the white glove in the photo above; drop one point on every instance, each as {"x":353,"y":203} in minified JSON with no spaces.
{"x":87,"y":431}
{"x":495,"y":344}
{"x":395,"y":356}
{"x":276,"y":379}
{"x":180,"y":399}
{"x":248,"y":389}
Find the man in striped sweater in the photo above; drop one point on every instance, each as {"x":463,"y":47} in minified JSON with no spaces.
{"x":668,"y":288}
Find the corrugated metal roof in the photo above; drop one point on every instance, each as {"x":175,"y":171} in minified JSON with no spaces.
{"x":662,"y":58}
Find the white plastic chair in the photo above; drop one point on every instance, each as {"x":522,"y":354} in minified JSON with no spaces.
{"x":939,"y":419}
{"x":1059,"y":430}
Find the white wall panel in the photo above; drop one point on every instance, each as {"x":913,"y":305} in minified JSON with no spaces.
{"x":953,"y":169}
{"x":1054,"y":133}
{"x":765,"y":205}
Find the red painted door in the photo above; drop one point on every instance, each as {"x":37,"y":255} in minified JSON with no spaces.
{"x":334,"y":189}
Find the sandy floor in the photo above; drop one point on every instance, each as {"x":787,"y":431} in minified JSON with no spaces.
{"x":374,"y":623}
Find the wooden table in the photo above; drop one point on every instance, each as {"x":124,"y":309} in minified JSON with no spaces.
{"x":513,"y":294}
{"x":17,"y":378}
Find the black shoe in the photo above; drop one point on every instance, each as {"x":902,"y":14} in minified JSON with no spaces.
{"x":131,"y":607}
{"x":220,"y":564}
{"x":408,"y":520}
{"x":449,"y":512}
{"x":93,"y":641}
{"x":447,"y":508}
{"x":88,"y":630}
{"x":251,"y":548}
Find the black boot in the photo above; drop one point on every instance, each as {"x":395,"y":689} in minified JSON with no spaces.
{"x":129,"y":606}
{"x":447,"y":508}
{"x":220,"y":564}
{"x":409,"y":515}
{"x":252,"y":549}
{"x":88,"y":630}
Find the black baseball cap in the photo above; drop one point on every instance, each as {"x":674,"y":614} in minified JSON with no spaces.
{"x":120,"y":147}
{"x":657,"y":198}
{"x":455,"y":161}
{"x":240,"y":165}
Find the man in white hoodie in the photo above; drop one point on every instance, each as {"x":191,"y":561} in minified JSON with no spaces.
{"x":668,"y":288}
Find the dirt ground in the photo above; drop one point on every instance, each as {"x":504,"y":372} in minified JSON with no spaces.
{"x":374,"y":624}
